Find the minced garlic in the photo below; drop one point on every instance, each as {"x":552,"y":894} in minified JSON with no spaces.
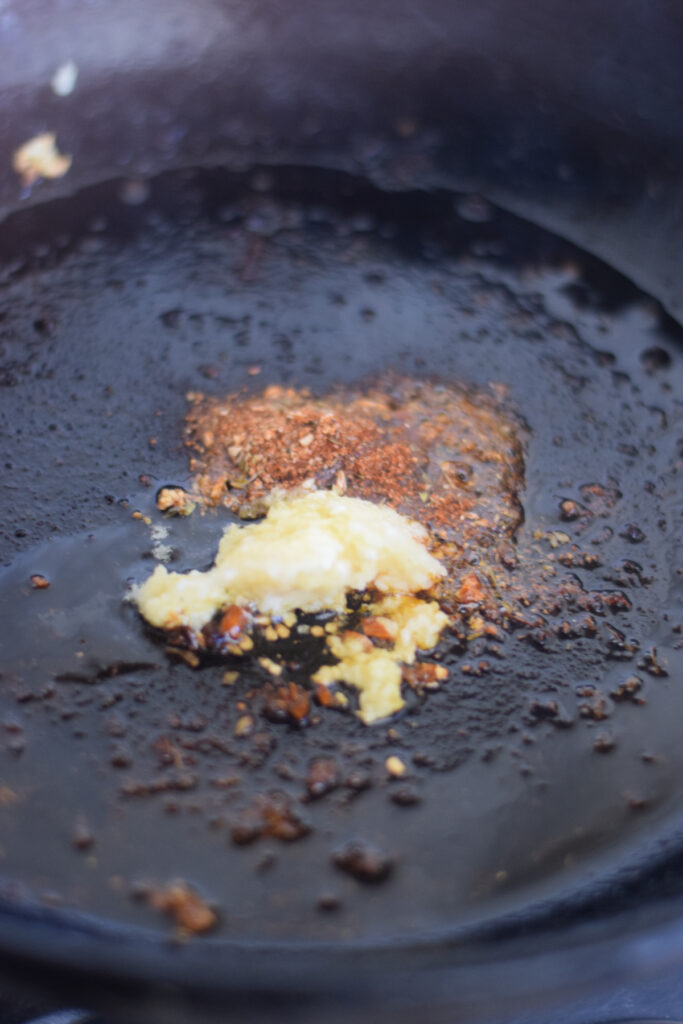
{"x":306,"y":555}
{"x":40,"y":158}
{"x":311,"y":550}
{"x":419,"y":623}
{"x":376,"y":671}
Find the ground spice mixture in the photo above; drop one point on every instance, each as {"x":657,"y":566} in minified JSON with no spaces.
{"x":435,"y":453}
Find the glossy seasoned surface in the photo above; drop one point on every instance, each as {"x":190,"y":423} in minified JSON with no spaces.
{"x":537,"y":768}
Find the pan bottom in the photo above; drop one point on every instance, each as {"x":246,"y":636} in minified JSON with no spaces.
{"x":526,"y":780}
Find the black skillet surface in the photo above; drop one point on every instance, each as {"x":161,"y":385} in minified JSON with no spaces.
{"x":211,"y":277}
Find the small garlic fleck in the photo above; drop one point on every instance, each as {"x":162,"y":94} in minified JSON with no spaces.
{"x":395,"y":766}
{"x":40,"y":158}
{"x":244,"y":726}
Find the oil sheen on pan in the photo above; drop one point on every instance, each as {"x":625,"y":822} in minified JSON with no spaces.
{"x":455,"y":442}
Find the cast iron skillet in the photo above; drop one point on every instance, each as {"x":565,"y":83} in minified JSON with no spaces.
{"x":205,"y":280}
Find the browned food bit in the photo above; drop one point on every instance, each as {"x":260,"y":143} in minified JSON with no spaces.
{"x":630,"y":689}
{"x":190,"y":912}
{"x":551,"y":711}
{"x":425,"y":674}
{"x":168,"y":752}
{"x":325,"y":696}
{"x":282,"y":821}
{"x":597,"y":708}
{"x":570,"y":510}
{"x":287,"y":703}
{"x":234,"y":621}
{"x":322,"y":777}
{"x":653,"y":664}
{"x":81,"y":836}
{"x":271,"y":815}
{"x":604,"y":743}
{"x":576,"y":559}
{"x":175,"y":501}
{"x":405,"y":795}
{"x":39,"y":582}
{"x":363,"y":861}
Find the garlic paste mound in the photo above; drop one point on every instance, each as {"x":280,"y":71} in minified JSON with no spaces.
{"x":306,"y":555}
{"x":309,"y":553}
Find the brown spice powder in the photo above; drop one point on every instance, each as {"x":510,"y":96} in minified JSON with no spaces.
{"x":448,"y":458}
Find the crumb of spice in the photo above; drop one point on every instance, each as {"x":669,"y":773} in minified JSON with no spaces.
{"x":39,"y":582}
